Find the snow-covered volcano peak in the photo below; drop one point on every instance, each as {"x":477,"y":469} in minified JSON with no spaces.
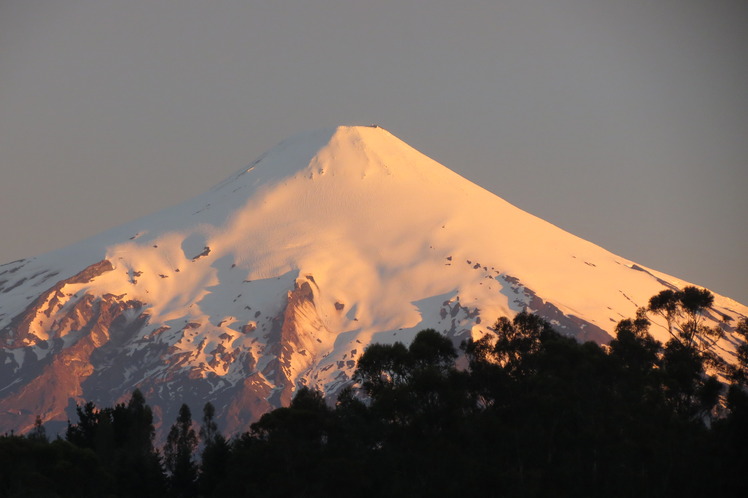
{"x":345,"y":150}
{"x":282,"y":274}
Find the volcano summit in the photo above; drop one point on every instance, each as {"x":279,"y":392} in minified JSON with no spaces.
{"x":282,"y":274}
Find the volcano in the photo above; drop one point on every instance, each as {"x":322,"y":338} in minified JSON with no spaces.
{"x":281,"y":275}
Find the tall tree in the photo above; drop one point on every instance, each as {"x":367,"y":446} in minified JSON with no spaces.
{"x":690,"y":304}
{"x":739,"y":373}
{"x":137,"y":465}
{"x":179,"y":451}
{"x":665,"y":304}
{"x":215,"y":455}
{"x":634,"y":346}
{"x":122,"y":438}
{"x":694,"y":302}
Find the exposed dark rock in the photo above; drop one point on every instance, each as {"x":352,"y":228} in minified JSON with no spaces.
{"x":205,"y":252}
{"x":59,"y":376}
{"x":18,"y":332}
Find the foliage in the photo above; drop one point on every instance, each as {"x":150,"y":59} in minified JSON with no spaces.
{"x":122,"y":440}
{"x":688,"y":305}
{"x":534,"y":413}
{"x":215,"y":455}
{"x":179,"y":452}
{"x":31,"y":467}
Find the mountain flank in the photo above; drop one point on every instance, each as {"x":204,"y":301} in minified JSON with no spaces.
{"x":281,"y":275}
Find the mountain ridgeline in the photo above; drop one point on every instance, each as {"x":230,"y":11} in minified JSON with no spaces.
{"x":279,"y":277}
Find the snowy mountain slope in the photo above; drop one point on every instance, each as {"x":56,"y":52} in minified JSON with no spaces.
{"x":282,"y":274}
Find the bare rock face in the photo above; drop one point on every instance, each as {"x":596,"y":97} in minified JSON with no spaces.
{"x":44,"y":385}
{"x":294,"y":341}
{"x":20,"y":333}
{"x":290,"y":353}
{"x":247,"y":404}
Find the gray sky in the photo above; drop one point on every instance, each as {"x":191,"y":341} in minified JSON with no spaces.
{"x":623,"y":122}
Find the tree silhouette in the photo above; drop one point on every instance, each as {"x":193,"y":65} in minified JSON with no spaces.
{"x":179,"y":451}
{"x":534,"y":413}
{"x":122,"y":438}
{"x":689,"y":303}
{"x":665,"y":304}
{"x":38,"y":433}
{"x":215,"y":455}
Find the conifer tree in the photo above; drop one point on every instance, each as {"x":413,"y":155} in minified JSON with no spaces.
{"x":215,"y":454}
{"x":179,"y":451}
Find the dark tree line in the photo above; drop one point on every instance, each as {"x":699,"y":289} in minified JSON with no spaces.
{"x":528,"y":413}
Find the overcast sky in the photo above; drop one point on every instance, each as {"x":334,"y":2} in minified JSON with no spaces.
{"x":623,"y":122}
